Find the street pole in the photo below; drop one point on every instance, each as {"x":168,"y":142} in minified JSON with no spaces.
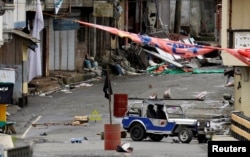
{"x":177,"y":18}
{"x":109,"y":91}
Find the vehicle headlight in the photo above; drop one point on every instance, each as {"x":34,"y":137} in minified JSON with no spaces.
{"x":198,"y":123}
{"x":208,"y":124}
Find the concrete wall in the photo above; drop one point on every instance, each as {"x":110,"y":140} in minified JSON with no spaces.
{"x":240,"y":14}
{"x":164,"y":12}
{"x":198,"y":15}
{"x":20,"y":13}
{"x":241,"y":90}
{"x":195,"y":17}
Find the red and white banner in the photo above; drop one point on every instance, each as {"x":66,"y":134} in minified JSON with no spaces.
{"x":173,"y":47}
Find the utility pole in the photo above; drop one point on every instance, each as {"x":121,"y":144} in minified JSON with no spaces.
{"x":177,"y":19}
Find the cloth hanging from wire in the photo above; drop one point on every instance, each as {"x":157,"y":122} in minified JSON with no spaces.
{"x":107,"y":88}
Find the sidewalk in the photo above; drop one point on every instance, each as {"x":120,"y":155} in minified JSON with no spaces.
{"x":6,"y":142}
{"x":223,"y":138}
{"x":56,"y":81}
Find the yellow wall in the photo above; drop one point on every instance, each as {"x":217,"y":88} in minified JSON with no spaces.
{"x":241,"y":90}
{"x":237,"y":92}
{"x":240,"y":20}
{"x":240,"y":14}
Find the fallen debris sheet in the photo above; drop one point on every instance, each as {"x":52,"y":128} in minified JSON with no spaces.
{"x":125,"y":147}
{"x":78,"y":120}
{"x":84,"y":85}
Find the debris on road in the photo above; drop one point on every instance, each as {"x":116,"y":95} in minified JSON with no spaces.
{"x":43,"y":134}
{"x":78,"y":120}
{"x":123,"y":134}
{"x":125,"y":147}
{"x":78,"y":140}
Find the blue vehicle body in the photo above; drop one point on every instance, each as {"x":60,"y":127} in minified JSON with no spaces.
{"x":140,"y":126}
{"x":148,"y":124}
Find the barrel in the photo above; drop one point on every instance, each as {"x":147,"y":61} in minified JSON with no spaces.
{"x":112,"y":136}
{"x":120,"y":104}
{"x":2,"y":115}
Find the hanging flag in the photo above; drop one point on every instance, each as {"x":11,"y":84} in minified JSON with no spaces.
{"x":107,"y":89}
{"x":58,"y":4}
{"x":35,"y":68}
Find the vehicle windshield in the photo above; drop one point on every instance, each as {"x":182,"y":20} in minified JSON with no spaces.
{"x":135,"y":109}
{"x":139,"y":108}
{"x":174,"y":111}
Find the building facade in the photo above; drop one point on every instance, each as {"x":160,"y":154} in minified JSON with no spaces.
{"x":64,"y":44}
{"x":236,"y":34}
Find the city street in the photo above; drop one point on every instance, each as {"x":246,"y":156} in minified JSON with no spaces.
{"x":59,"y":108}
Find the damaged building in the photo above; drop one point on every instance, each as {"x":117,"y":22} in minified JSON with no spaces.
{"x":65,"y":44}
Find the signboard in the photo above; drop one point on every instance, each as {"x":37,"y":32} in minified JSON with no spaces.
{"x":7,"y":75}
{"x":62,"y":24}
{"x":103,"y":9}
{"x":6,"y":93}
{"x":95,"y":116}
{"x":18,"y":71}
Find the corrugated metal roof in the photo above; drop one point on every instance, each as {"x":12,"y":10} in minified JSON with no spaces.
{"x":30,"y":41}
{"x":26,"y":36}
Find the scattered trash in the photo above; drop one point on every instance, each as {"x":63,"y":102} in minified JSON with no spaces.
{"x":43,"y":134}
{"x":123,"y":134}
{"x":176,"y":141}
{"x":66,"y":91}
{"x":125,"y":147}
{"x":78,"y":120}
{"x":201,"y":95}
{"x":85,"y":85}
{"x":230,"y":84}
{"x":46,"y":124}
{"x":81,"y":119}
{"x":78,"y":140}
{"x":153,"y":96}
{"x":45,"y":95}
{"x":167,"y":94}
{"x":7,"y":114}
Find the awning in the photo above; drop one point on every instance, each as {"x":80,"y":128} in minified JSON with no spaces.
{"x":29,"y":40}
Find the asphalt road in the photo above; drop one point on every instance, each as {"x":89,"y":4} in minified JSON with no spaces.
{"x":60,"y":107}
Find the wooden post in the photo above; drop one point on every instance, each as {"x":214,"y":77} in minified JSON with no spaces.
{"x":177,"y":18}
{"x":24,"y":100}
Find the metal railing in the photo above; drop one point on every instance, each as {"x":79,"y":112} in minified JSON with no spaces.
{"x":240,"y":126}
{"x":23,"y":151}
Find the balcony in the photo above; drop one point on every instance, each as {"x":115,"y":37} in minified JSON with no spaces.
{"x":49,"y":4}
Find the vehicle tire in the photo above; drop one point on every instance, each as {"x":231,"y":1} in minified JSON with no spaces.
{"x":137,"y":132}
{"x":185,"y":135}
{"x":155,"y":137}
